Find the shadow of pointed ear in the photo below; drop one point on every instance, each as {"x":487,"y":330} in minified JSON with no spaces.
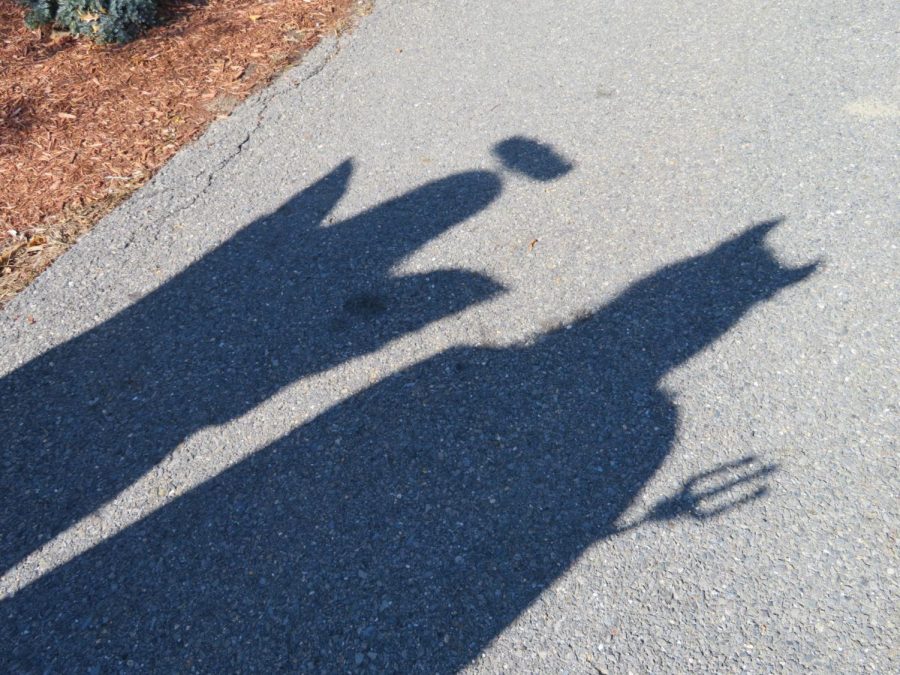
{"x":753,"y":241}
{"x":756,"y":234}
{"x":531,"y":158}
{"x":794,"y":275}
{"x":309,"y":208}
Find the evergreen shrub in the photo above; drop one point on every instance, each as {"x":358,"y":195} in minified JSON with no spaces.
{"x":100,"y":20}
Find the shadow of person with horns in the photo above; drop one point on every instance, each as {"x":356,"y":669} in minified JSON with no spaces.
{"x":285,"y":297}
{"x":403,"y":529}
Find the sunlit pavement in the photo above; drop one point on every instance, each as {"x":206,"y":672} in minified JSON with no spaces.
{"x":492,"y":336}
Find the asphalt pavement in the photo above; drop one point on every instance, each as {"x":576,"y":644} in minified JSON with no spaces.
{"x":494,"y":336}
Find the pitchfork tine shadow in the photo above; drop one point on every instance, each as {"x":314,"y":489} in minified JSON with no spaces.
{"x":690,"y":500}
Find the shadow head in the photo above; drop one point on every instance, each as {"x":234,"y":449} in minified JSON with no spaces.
{"x":531,"y":158}
{"x":750,"y":266}
{"x":696,"y":301}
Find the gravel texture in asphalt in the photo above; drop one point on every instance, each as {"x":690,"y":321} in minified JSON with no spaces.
{"x":540,"y":337}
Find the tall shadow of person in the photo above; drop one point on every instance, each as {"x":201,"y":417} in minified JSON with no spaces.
{"x":403,"y":529}
{"x":284,"y":298}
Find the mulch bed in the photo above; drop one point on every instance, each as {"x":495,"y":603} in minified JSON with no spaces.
{"x":82,"y":126}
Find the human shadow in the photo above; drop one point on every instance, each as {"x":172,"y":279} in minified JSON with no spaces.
{"x":403,"y":529}
{"x":289,"y":295}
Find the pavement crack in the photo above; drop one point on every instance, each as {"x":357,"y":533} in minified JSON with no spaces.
{"x":262,"y":103}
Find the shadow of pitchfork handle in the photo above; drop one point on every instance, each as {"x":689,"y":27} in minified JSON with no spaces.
{"x":692,"y":500}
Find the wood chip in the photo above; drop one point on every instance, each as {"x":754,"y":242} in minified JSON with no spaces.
{"x":72,"y":112}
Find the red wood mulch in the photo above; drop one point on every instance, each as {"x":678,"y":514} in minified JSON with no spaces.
{"x":82,"y":125}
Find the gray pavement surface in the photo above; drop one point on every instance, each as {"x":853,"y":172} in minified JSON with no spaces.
{"x":528,"y":337}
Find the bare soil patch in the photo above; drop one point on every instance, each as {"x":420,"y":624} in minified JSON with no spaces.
{"x":82,"y":125}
